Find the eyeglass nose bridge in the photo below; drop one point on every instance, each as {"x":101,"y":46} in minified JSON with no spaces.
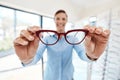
{"x":60,"y":36}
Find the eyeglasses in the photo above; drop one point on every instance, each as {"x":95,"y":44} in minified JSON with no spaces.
{"x":51,"y":37}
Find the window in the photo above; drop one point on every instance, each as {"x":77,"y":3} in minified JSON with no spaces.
{"x":11,"y":22}
{"x":6,"y":31}
{"x":24,"y":20}
{"x":48,"y":23}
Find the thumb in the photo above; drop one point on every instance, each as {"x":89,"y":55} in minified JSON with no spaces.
{"x":87,"y":40}
{"x":36,"y":42}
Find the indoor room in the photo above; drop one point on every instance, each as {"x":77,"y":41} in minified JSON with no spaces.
{"x":53,"y":59}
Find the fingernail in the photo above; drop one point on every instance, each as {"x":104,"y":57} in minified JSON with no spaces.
{"x":91,"y":30}
{"x":32,"y":38}
{"x":98,"y":31}
{"x":106,"y":33}
{"x":25,"y":43}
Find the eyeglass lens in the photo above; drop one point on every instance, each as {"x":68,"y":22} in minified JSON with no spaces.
{"x":50,"y":35}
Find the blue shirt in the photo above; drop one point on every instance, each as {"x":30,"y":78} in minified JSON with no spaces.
{"x":59,"y":59}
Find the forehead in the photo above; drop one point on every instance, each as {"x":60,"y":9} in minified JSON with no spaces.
{"x":60,"y":15}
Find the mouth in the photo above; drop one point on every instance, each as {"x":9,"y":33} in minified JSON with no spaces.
{"x":60,"y":25}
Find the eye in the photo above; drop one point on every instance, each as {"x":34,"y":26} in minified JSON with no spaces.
{"x":57,"y":18}
{"x":63,"y":19}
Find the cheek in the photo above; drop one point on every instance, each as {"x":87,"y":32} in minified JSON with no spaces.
{"x":56,"y":22}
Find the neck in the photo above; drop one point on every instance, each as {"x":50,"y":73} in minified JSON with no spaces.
{"x":61,"y":31}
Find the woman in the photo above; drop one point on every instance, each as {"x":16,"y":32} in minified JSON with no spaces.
{"x":59,"y":65}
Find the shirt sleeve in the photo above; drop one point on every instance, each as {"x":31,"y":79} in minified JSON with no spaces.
{"x":80,"y":50}
{"x":38,"y":55}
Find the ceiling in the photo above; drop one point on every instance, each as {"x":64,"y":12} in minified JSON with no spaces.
{"x":76,"y":9}
{"x":90,"y":3}
{"x":93,"y":7}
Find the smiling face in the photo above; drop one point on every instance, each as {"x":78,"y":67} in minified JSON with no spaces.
{"x":60,"y":21}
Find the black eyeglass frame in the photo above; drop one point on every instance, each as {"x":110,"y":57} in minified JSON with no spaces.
{"x":64,"y":34}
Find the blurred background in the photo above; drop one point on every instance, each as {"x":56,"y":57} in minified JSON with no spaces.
{"x":19,"y":14}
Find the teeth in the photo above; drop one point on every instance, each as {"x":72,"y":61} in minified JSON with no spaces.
{"x":61,"y":24}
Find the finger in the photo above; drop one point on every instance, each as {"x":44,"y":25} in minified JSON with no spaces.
{"x":87,"y":39}
{"x":20,"y":41}
{"x":106,"y":33}
{"x":33,"y":29}
{"x":90,"y":29}
{"x":98,"y":30}
{"x":27,"y":35}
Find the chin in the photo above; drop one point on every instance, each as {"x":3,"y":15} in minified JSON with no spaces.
{"x":61,"y":30}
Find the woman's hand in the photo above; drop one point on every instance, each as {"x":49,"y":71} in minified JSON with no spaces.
{"x":96,"y":41}
{"x":26,"y":44}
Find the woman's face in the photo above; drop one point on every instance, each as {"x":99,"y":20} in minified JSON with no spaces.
{"x":60,"y":21}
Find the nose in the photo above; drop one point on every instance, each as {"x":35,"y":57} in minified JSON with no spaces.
{"x":60,"y":21}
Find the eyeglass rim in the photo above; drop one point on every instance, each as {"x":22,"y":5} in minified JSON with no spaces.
{"x":84,"y":30}
{"x":37,"y":34}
